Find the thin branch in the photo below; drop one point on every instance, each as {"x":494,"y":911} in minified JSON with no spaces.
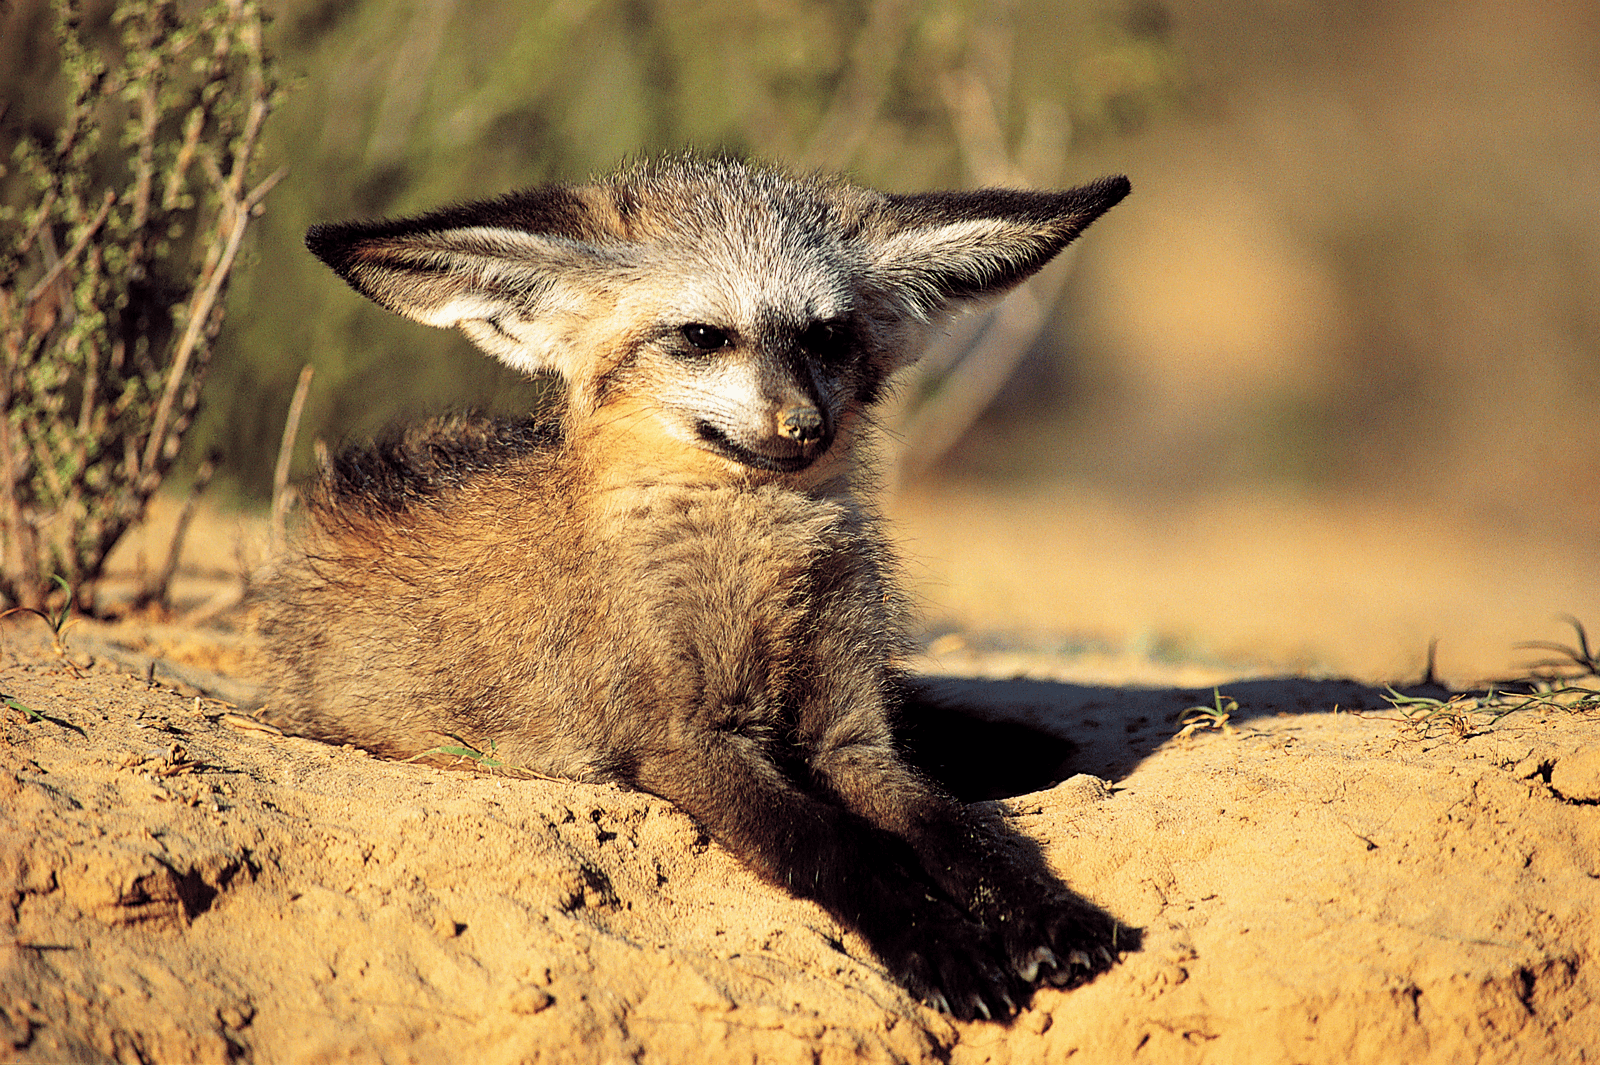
{"x":61,"y":264}
{"x":145,"y":159}
{"x":23,"y":535}
{"x":192,"y":128}
{"x":939,"y":424}
{"x":981,"y":355}
{"x":199,"y":312}
{"x":25,"y":243}
{"x":280,"y":473}
{"x":159,"y":591}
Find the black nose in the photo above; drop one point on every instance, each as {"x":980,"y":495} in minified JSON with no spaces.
{"x":802,"y":424}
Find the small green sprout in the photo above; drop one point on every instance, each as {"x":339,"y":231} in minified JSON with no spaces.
{"x":1216,"y":716}
{"x":27,"y":711}
{"x":466,"y":752}
{"x":1582,"y":657}
{"x":59,"y":621}
{"x":1426,"y":716}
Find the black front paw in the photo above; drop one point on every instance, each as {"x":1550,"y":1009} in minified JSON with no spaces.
{"x":1062,"y":940}
{"x":952,"y":963}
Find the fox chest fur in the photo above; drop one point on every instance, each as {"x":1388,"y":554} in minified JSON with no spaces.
{"x":524,"y":612}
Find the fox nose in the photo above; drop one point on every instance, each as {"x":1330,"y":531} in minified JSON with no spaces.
{"x":801,"y":423}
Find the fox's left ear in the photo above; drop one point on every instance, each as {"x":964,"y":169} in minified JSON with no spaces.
{"x":935,"y":251}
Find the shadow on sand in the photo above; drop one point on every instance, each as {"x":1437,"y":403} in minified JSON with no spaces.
{"x":992,"y":739}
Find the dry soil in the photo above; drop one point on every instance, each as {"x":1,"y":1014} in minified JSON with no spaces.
{"x":1319,"y":879}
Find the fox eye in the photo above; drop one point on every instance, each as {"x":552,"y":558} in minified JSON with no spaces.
{"x":825,"y":340}
{"x":705,"y":337}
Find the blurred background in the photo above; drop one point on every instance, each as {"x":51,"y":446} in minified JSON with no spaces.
{"x":1323,"y":389}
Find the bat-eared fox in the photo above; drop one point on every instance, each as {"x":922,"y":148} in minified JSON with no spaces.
{"x":673,"y":580}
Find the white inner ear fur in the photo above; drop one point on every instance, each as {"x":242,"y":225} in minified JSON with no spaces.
{"x":554,"y":279}
{"x":526,"y":345}
{"x":917,"y":245}
{"x":917,"y":257}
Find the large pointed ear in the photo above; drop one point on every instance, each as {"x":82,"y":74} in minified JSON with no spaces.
{"x":512,"y":273}
{"x":936,"y":251}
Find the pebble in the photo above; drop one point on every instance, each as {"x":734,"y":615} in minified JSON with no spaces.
{"x":1576,"y":777}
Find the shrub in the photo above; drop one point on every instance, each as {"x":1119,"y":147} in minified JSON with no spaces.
{"x":122,"y":208}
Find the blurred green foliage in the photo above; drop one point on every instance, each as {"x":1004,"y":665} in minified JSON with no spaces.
{"x":395,"y":107}
{"x":401,"y":107}
{"x":123,"y":204}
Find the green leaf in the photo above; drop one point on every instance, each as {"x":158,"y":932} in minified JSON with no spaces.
{"x":28,"y":711}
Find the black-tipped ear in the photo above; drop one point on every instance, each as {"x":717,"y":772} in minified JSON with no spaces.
{"x":944,"y":248}
{"x":416,"y":266}
{"x":505,"y":271}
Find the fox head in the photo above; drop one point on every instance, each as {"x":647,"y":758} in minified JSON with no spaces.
{"x":739,"y":312}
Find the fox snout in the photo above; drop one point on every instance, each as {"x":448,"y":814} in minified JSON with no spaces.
{"x":795,"y":434}
{"x":782,"y":455}
{"x":765,"y":403}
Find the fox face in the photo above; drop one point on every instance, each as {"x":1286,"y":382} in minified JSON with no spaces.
{"x":711,"y":315}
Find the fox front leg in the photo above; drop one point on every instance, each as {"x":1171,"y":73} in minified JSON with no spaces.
{"x":1048,"y":933}
{"x":866,"y":878}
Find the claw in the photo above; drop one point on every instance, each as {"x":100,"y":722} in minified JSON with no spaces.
{"x":1028,"y":970}
{"x":1011,"y":1007}
{"x":939,"y":1002}
{"x":982,"y":1007}
{"x":1080,"y":959}
{"x":1106,"y":957}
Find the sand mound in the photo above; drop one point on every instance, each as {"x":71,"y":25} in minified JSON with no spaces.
{"x":1321,"y":881}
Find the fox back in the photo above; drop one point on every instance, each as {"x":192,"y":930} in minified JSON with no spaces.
{"x":674,"y":580}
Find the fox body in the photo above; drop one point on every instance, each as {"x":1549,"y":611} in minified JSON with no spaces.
{"x":675,"y":580}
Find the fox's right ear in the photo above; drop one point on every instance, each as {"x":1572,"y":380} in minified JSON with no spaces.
{"x":512,"y":273}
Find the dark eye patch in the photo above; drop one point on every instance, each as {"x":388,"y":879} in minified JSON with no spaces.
{"x":825,"y":340}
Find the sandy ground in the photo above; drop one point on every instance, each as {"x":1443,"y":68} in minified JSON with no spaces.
{"x":1336,"y":586}
{"x":1322,"y":877}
